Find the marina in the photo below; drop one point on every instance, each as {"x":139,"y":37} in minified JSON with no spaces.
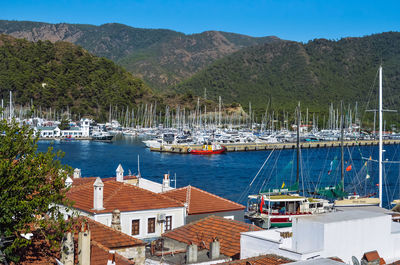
{"x":228,"y":175}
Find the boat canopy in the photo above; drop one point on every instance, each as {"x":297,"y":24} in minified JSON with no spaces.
{"x":278,"y":198}
{"x":332,"y":192}
{"x":290,"y":189}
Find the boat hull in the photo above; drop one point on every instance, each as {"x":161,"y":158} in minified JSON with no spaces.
{"x":103,"y":138}
{"x":357,"y":202}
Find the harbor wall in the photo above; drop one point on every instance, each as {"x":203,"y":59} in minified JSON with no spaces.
{"x":239,"y":147}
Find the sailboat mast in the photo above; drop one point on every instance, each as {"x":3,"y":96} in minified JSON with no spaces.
{"x":341,"y":147}
{"x":298,"y":148}
{"x":380,"y":136}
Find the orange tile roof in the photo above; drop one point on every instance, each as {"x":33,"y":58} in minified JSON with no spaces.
{"x":200,"y":201}
{"x":206,"y":229}
{"x":119,"y":195}
{"x":80,"y":181}
{"x":372,"y":255}
{"x":41,"y":253}
{"x":260,"y":260}
{"x":85,"y":180}
{"x":100,"y":254}
{"x":125,"y":178}
{"x":109,"y":237}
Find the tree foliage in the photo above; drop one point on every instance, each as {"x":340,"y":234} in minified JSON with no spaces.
{"x":280,"y":74}
{"x":63,"y":75}
{"x":31,"y":188}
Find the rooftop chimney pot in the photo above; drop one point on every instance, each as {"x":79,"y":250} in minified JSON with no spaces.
{"x":84,"y":246}
{"x":116,"y":220}
{"x":191,"y":253}
{"x":67,"y":249}
{"x":77,"y":173}
{"x":98,"y":194}
{"x":120,"y":173}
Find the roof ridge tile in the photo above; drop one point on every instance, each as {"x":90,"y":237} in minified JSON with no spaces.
{"x":114,"y":230}
{"x":216,"y":196}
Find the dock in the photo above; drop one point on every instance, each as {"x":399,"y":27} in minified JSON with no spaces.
{"x":242,"y":147}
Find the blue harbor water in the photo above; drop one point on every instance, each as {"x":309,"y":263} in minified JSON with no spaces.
{"x":229,"y":175}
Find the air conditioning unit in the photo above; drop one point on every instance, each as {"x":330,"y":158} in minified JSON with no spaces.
{"x":161,"y":217}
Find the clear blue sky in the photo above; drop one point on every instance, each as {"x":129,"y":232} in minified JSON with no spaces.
{"x":288,"y":19}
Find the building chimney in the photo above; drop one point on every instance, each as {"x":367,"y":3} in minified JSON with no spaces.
{"x":191,"y":253}
{"x":67,"y":249}
{"x":68,"y":182}
{"x":215,"y":249}
{"x":120,"y":173}
{"x":84,"y":245}
{"x":111,"y":258}
{"x":77,"y":173}
{"x":166,"y":182}
{"x":98,"y":186}
{"x":116,"y":220}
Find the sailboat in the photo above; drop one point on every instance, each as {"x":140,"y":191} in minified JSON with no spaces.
{"x":277,"y":207}
{"x":357,"y":200}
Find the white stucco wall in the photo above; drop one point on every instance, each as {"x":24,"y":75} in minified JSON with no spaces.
{"x":307,"y":236}
{"x":315,"y":237}
{"x":355,"y":237}
{"x":178,"y":219}
{"x":253,"y":244}
{"x":152,"y":186}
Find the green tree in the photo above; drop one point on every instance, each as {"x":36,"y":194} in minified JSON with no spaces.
{"x":64,"y":125}
{"x":32,"y":186}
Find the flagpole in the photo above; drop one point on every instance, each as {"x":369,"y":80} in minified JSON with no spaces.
{"x":380,"y":136}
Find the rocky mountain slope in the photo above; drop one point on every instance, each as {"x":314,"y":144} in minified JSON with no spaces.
{"x":160,"y":57}
{"x":316,"y":73}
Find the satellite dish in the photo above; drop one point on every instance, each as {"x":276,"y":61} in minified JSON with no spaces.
{"x":355,"y":261}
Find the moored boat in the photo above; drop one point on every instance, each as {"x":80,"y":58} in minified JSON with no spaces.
{"x":277,"y":210}
{"x":102,"y":136}
{"x":357,"y":200}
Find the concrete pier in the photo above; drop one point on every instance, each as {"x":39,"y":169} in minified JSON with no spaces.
{"x":239,"y":147}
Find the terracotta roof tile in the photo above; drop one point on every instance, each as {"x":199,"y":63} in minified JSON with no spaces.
{"x":336,"y":259}
{"x":81,"y":181}
{"x":85,"y":180}
{"x":200,"y":201}
{"x":206,"y":229}
{"x":125,"y":178}
{"x":109,"y":237}
{"x":372,"y":255}
{"x":99,"y":256}
{"x":260,"y":260}
{"x":41,"y":253}
{"x":119,"y":195}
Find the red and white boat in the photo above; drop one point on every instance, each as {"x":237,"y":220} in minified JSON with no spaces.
{"x":208,"y":149}
{"x":277,"y":210}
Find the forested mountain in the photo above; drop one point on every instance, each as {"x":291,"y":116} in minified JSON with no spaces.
{"x":316,"y":73}
{"x":160,"y":57}
{"x":61,"y":75}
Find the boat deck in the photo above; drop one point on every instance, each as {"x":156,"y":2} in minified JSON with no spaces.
{"x":239,"y":147}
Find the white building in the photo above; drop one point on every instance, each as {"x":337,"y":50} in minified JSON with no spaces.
{"x":74,"y":132}
{"x":144,"y":214}
{"x":48,"y":132}
{"x":342,"y":234}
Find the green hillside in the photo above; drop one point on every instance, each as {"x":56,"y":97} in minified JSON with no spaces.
{"x":63,"y":75}
{"x":160,"y":57}
{"x":316,"y":73}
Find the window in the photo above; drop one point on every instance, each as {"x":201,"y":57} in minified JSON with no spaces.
{"x":168,"y":223}
{"x":151,"y":225}
{"x":135,"y":227}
